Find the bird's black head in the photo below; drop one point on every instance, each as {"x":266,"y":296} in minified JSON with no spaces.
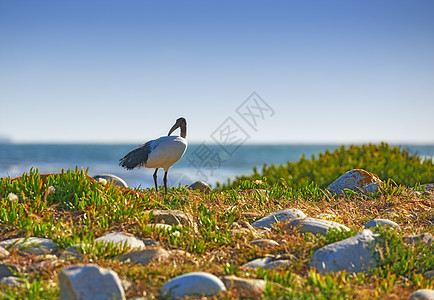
{"x":180,"y":123}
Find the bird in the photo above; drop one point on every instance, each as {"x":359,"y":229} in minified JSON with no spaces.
{"x":162,"y":152}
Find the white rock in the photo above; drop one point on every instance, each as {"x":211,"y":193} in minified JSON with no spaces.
{"x":172,"y":217}
{"x":121,"y":238}
{"x":3,"y":252}
{"x":31,"y":245}
{"x":315,"y":226}
{"x":264,"y":243}
{"x":191,"y":284}
{"x":384,"y":222}
{"x":201,"y":186}
{"x":89,"y":282}
{"x":422,"y":294}
{"x":144,"y":256}
{"x":279,"y":216}
{"x":232,"y":281}
{"x":354,"y":254}
{"x":11,"y":281}
{"x":113,"y":179}
{"x":266,"y":263}
{"x":357,"y":180}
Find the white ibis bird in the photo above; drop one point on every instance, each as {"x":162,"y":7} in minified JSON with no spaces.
{"x":159,"y":153}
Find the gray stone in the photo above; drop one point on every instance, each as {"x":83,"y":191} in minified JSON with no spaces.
{"x":172,"y":217}
{"x":357,"y":180}
{"x":424,"y":238}
{"x":149,"y":242}
{"x":11,"y":281}
{"x":31,"y":245}
{"x":422,"y":294}
{"x":279,"y":216}
{"x":90,"y":282}
{"x":232,"y":281}
{"x":201,"y":186}
{"x":428,"y":274}
{"x":315,"y":226}
{"x":7,"y":270}
{"x":264,"y":243}
{"x":71,"y":252}
{"x":429,"y":187}
{"x":192,"y":284}
{"x":112,"y":179}
{"x":266,"y":263}
{"x":144,"y":256}
{"x":3,"y":252}
{"x":371,"y":188}
{"x":384,"y":222}
{"x":354,"y":254}
{"x":121,"y":239}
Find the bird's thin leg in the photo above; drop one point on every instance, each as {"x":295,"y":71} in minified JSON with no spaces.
{"x":155,"y":180}
{"x":165,"y":182}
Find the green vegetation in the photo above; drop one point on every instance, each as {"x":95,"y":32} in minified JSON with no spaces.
{"x":73,"y":209}
{"x":385,"y":161}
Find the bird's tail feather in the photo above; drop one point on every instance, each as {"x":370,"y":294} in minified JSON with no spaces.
{"x":135,"y":158}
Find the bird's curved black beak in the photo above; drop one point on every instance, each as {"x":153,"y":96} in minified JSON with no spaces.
{"x":174,"y":127}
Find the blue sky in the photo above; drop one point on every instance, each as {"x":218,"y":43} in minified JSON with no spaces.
{"x":123,"y":71}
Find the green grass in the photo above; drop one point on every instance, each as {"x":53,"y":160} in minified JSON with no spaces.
{"x":71,"y":208}
{"x":383,"y":160}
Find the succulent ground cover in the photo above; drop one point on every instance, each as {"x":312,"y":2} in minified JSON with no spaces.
{"x":71,"y":208}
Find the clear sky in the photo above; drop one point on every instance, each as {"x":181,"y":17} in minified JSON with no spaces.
{"x":123,"y":71}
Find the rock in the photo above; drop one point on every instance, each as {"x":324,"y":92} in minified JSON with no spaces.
{"x":266,"y":263}
{"x":121,"y":239}
{"x":90,"y":282}
{"x":428,"y":274}
{"x":11,"y":281}
{"x":357,"y":180}
{"x":149,"y":242}
{"x":201,"y":186}
{"x":384,"y":222}
{"x":354,"y":254}
{"x":172,"y":217}
{"x":429,"y":187}
{"x":192,"y":284}
{"x":3,"y":252}
{"x":6,"y":270}
{"x":315,"y":226}
{"x":144,"y":256}
{"x":422,"y":294}
{"x":264,"y":243}
{"x":231,"y":281}
{"x":424,"y":238}
{"x":113,"y":179}
{"x":31,"y":245}
{"x":279,"y":216}
{"x":371,"y":188}
{"x":71,"y":252}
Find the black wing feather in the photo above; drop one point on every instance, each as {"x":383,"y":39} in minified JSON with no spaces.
{"x":136,"y":157}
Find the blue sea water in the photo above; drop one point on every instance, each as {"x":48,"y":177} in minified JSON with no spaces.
{"x":209,"y":163}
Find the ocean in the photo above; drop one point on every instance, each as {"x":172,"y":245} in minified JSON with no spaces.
{"x":210,"y":163}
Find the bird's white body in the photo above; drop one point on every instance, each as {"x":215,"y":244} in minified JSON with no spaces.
{"x":165,"y":151}
{"x":160,"y":153}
